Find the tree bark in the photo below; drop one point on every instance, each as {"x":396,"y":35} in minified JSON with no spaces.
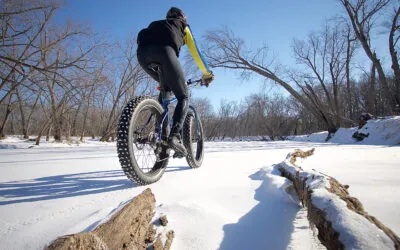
{"x":357,"y":13}
{"x":371,"y":92}
{"x":22,"y":113}
{"x":130,"y":228}
{"x":393,"y":53}
{"x":349,"y":53}
{"x":8,"y":112}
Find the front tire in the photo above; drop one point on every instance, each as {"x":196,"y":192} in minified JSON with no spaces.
{"x":137,"y":141}
{"x":193,"y":139}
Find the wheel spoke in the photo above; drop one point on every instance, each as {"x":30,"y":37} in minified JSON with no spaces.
{"x":143,"y":150}
{"x":138,"y":141}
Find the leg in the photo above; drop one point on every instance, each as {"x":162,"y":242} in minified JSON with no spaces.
{"x":145,"y":56}
{"x":174,"y":79}
{"x":165,"y":126}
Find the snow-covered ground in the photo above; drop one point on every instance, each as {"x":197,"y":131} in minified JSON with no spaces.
{"x":236,"y":200}
{"x":383,"y":131}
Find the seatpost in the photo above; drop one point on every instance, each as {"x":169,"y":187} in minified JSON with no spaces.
{"x":162,"y":90}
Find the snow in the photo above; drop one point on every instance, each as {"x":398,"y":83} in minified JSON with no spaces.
{"x":315,"y":137}
{"x":382,"y":131}
{"x":356,"y":232}
{"x":17,"y":142}
{"x":235,"y":200}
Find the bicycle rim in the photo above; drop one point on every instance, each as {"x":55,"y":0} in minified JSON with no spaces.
{"x":143,"y":141}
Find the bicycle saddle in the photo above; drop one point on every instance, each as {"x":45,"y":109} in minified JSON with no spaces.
{"x":154,"y":66}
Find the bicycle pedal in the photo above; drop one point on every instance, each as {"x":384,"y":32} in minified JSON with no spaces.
{"x":166,"y":158}
{"x":178,"y":155}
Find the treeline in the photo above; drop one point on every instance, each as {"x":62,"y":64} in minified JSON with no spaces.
{"x":275,"y":117}
{"x":63,"y":79}
{"x":326,"y":83}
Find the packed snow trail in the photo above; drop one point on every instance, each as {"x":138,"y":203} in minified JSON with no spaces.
{"x":233,"y":201}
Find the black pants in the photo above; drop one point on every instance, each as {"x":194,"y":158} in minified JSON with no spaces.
{"x":173,"y":78}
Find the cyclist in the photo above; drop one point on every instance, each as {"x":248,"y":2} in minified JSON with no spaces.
{"x":160,"y":43}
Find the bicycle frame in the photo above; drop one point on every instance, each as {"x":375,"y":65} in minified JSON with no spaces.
{"x":165,"y":103}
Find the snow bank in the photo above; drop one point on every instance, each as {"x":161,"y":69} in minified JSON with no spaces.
{"x":382,"y":131}
{"x":334,"y":212}
{"x":18,"y":142}
{"x":242,"y":138}
{"x":315,"y":137}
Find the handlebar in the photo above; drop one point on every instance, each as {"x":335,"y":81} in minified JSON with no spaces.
{"x":190,"y":82}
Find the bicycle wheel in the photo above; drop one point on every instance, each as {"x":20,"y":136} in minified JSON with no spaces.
{"x":193,"y":139}
{"x":137,"y":143}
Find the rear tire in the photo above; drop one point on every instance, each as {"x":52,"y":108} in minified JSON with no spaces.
{"x":193,"y":139}
{"x":137,"y":142}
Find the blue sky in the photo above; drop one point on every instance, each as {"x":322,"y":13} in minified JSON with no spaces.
{"x":272,"y":22}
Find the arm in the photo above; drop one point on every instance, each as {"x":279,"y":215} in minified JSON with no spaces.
{"x":195,"y":52}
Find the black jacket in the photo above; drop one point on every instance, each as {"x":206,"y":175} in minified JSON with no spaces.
{"x":163,"y":32}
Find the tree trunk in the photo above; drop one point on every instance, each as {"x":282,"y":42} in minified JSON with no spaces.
{"x":57,"y":122}
{"x":110,"y":122}
{"x":31,"y":113}
{"x":362,"y":36}
{"x":48,"y":134}
{"x":74,"y":133}
{"x":22,"y":113}
{"x":84,"y":123}
{"x":46,"y":126}
{"x":129,"y":228}
{"x":86,"y":113}
{"x":371,"y":94}
{"x":3,"y":125}
{"x":348,"y":80}
{"x":394,"y":57}
{"x":68,"y":131}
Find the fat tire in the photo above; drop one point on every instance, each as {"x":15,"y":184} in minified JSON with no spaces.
{"x":193,"y":158}
{"x":125,"y":145}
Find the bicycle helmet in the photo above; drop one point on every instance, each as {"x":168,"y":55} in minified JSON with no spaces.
{"x":176,"y":13}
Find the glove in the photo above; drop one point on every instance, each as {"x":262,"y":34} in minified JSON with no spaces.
{"x":207,"y":78}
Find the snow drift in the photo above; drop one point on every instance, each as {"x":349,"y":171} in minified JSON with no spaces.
{"x":341,"y":220}
{"x":382,"y":131}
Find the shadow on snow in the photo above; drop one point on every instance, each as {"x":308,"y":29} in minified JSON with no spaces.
{"x":69,"y":185}
{"x":62,"y":186}
{"x":268,"y":225}
{"x":176,"y":168}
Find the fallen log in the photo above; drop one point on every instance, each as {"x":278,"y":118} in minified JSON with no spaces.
{"x":129,"y":228}
{"x":341,"y":220}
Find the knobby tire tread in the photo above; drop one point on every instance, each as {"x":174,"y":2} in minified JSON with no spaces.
{"x":129,"y":165}
{"x":192,"y":160}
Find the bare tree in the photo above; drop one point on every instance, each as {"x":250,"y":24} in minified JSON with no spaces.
{"x":22,"y":22}
{"x":128,"y":78}
{"x":227,"y":51}
{"x":394,"y":37}
{"x":5,"y":119}
{"x":325,"y":58}
{"x":351,"y":46}
{"x":227,"y":114}
{"x":371,"y":106}
{"x":362,"y":15}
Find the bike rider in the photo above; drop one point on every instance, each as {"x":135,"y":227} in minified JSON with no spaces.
{"x":160,"y":43}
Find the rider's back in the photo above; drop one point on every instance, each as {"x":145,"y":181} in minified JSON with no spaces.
{"x":163,"y":32}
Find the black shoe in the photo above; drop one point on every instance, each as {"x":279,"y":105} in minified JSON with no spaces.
{"x":175,"y":143}
{"x":164,"y":153}
{"x":178,"y":155}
